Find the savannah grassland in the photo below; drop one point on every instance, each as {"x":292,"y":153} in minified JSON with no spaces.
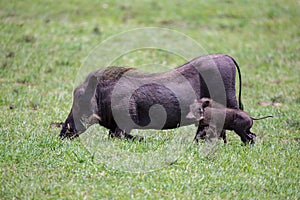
{"x":42,"y":44}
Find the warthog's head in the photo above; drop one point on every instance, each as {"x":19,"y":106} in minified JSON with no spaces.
{"x":84,"y":110}
{"x":197,"y":109}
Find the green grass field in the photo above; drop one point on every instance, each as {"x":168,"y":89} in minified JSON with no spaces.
{"x":43,"y":45}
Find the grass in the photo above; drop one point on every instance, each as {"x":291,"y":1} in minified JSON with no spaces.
{"x":44,"y":44}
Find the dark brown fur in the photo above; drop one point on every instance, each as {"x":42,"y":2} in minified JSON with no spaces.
{"x":211,"y":113}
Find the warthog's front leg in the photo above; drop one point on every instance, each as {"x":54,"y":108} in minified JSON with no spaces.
{"x":122,"y":134}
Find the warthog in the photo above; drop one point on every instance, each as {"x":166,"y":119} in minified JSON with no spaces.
{"x":211,"y":113}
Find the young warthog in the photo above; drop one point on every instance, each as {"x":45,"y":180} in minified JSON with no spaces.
{"x":210,"y":113}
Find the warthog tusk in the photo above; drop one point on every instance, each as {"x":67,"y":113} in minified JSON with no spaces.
{"x":68,"y":127}
{"x":94,"y":116}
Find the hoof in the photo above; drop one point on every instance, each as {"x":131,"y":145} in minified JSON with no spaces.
{"x":70,"y":136}
{"x":137,"y":138}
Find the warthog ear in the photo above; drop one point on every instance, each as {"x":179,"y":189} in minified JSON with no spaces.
{"x":190,"y":115}
{"x":91,"y":87}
